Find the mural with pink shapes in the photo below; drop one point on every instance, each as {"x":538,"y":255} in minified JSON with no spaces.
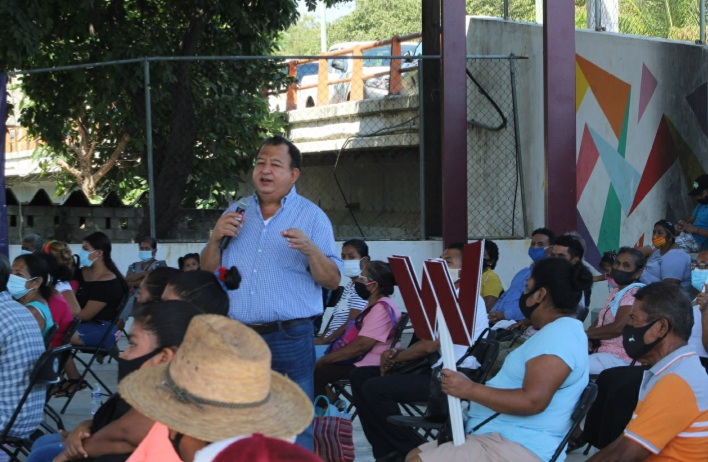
{"x":642,"y":132}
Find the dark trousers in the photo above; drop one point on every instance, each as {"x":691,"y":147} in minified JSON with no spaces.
{"x":327,"y":373}
{"x":377,"y":397}
{"x":617,"y":395}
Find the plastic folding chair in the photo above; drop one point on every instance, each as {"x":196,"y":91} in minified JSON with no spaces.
{"x":46,"y":371}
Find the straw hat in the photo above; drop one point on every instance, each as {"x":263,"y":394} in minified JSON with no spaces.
{"x":219,"y":385}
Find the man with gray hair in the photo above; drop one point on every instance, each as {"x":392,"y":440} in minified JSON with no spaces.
{"x":671,"y":417}
{"x":21,"y":344}
{"x":31,"y":243}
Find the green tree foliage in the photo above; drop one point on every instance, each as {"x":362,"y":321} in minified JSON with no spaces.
{"x":302,"y":38}
{"x":377,"y":20}
{"x":207,"y":116}
{"x":674,"y":19}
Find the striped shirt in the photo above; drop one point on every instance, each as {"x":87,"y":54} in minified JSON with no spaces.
{"x":349,"y":301}
{"x":21,"y":344}
{"x":277,"y":284}
{"x":671,"y":417}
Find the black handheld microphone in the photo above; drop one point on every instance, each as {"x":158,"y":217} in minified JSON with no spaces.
{"x":240,"y":209}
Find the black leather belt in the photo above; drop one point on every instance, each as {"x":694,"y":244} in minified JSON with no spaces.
{"x":276,"y":326}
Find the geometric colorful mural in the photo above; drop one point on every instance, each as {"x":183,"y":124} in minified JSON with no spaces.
{"x":610,"y":186}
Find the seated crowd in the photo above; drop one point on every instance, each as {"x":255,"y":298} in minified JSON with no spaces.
{"x":196,"y":385}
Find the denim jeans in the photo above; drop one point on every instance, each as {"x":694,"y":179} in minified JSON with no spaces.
{"x":46,"y":448}
{"x":293,"y":353}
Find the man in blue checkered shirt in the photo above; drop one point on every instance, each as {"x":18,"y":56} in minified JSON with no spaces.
{"x":283,"y":245}
{"x":21,"y":344}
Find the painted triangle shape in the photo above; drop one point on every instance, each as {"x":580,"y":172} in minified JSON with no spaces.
{"x":698,"y":101}
{"x":646,"y":90}
{"x":587,"y":159}
{"x":623,"y":177}
{"x":661,"y":158}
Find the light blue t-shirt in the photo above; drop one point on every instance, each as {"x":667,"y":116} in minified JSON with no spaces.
{"x":701,"y":221}
{"x":674,"y":264}
{"x":540,"y":433}
{"x":509,"y":300}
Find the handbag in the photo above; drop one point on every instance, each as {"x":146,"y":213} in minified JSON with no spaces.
{"x":415,"y":366}
{"x":333,"y":433}
{"x":351,"y":332}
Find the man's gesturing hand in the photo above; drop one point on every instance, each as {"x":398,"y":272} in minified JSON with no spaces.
{"x":298,"y":241}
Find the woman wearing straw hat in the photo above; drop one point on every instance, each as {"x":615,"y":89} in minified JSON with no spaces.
{"x":218,"y":389}
{"x":115,"y":429}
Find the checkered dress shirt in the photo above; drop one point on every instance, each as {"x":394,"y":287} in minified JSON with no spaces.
{"x":21,"y":344}
{"x":277,"y":284}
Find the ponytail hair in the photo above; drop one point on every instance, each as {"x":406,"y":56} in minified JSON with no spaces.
{"x":564,"y":282}
{"x":205,"y":290}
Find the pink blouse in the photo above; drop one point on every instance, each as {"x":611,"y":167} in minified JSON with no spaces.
{"x":614,"y":345}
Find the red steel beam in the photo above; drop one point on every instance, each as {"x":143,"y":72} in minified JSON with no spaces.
{"x":454,"y":121}
{"x":559,"y":113}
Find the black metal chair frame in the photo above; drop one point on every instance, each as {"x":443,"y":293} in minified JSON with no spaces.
{"x":581,"y":409}
{"x":46,"y":371}
{"x":342,"y":388}
{"x":94,"y":352}
{"x":485,"y":350}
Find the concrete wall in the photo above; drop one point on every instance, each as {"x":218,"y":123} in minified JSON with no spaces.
{"x":642,"y":133}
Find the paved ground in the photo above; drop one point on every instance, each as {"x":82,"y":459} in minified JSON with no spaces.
{"x":79,"y":410}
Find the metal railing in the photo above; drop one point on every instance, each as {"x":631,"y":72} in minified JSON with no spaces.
{"x":357,"y":76}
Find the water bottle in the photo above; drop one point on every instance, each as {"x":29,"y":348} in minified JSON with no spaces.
{"x":96,"y":395}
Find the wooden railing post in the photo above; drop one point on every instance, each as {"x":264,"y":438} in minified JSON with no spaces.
{"x":356,"y":90}
{"x":322,"y":84}
{"x":394,"y":80}
{"x":291,"y":98}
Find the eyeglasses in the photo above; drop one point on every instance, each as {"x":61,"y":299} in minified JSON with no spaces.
{"x":696,"y":265}
{"x":365,"y":279}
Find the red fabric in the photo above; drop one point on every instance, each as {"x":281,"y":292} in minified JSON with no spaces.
{"x":333,"y":439}
{"x":62,"y":317}
{"x":259,"y":448}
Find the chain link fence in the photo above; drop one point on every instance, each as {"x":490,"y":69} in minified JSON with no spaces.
{"x":494,"y":191}
{"x":187,"y":154}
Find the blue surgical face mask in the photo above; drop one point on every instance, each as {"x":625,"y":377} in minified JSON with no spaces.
{"x":25,"y":252}
{"x":145,"y":255}
{"x":537,"y":253}
{"x":84,"y":261}
{"x":698,"y":278}
{"x":16,"y":286}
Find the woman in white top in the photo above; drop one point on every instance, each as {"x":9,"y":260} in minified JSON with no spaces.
{"x":355,"y":254}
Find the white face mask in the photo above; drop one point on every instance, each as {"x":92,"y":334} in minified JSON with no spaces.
{"x":352,"y":268}
{"x":454,"y":273}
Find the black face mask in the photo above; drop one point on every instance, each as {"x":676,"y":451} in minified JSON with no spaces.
{"x":702,"y":201}
{"x":527,"y":310}
{"x":126,"y":366}
{"x":486,"y":263}
{"x":176,"y":442}
{"x":622,"y":278}
{"x":633,"y":340}
{"x":362,"y":291}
